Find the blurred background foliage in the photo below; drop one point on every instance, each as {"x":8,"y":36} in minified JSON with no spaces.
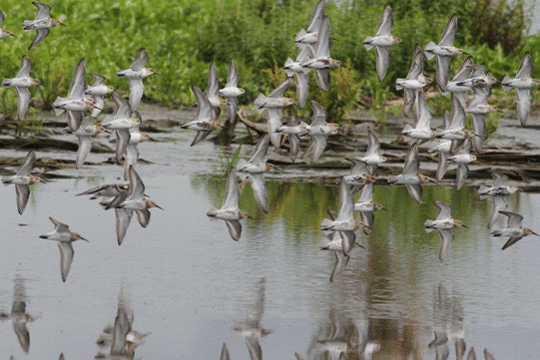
{"x":184,"y":36}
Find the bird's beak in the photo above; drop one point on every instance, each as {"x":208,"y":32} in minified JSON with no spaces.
{"x":159,"y":207}
{"x":385,"y":209}
{"x":85,"y":239}
{"x":536,"y":234}
{"x":465,"y":226}
{"x":12,"y":35}
{"x":62,"y":24}
{"x":155,"y":73}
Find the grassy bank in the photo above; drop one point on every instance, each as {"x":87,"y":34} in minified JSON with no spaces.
{"x":183,"y":37}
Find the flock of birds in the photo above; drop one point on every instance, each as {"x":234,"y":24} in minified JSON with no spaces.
{"x":453,"y":143}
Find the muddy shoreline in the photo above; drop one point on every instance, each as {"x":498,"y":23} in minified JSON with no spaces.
{"x":511,"y":150}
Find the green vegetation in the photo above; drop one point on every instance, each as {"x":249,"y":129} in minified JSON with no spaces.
{"x":183,"y":37}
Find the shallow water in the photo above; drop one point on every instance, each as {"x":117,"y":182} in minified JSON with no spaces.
{"x":189,"y":283}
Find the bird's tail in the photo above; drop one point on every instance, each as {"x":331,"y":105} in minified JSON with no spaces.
{"x":6,"y":83}
{"x":428,"y":50}
{"x":259,"y":103}
{"x":505,"y":82}
{"x":367,"y":44}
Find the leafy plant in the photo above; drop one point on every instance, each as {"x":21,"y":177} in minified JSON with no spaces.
{"x":229,"y":161}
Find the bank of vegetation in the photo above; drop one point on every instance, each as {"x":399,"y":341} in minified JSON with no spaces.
{"x":184,"y":36}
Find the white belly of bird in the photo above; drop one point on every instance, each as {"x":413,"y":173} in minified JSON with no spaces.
{"x":230,"y":92}
{"x":99,"y":90}
{"x":228,"y":214}
{"x":382,"y":40}
{"x":424,"y":134}
{"x":364,"y":206}
{"x":445,"y":51}
{"x":463,"y":158}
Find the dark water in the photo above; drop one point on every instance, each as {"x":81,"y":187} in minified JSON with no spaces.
{"x":190,"y":284}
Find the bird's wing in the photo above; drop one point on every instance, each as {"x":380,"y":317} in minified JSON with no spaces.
{"x":386,"y":22}
{"x":449,"y":33}
{"x":136,"y":185}
{"x":123,"y":218}
{"x":444,"y":210}
{"x":58,"y":226}
{"x":281,"y":88}
{"x":141,"y":61}
{"x":27,"y":164}
{"x":525,"y":67}
{"x":144,"y":217}
{"x":235,"y":229}
{"x":43,"y":10}
{"x":26,"y":67}
{"x":66,"y":258}
{"x":230,"y":201}
{"x":346,"y":205}
{"x":383,"y":59}
{"x":85,"y":145}
{"x":259,"y":190}
{"x":523,"y":104}
{"x":23,"y":193}
{"x":78,"y":82}
{"x":40,"y":35}
{"x":447,"y":236}
{"x":136,"y":91}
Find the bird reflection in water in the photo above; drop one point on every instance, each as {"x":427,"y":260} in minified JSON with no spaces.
{"x":121,"y":338}
{"x":251,"y":329}
{"x":18,"y":316}
{"x":342,"y":338}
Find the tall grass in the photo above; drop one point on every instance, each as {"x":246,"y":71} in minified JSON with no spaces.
{"x":184,"y":36}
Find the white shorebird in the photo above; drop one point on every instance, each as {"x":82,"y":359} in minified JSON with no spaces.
{"x":131,"y":153}
{"x":22,"y":179}
{"x":414,"y":82}
{"x":444,"y":50}
{"x":523,"y":83}
{"x":111,"y":194}
{"x":84,"y":133}
{"x":21,"y":82}
{"x":514,"y":231}
{"x":422,"y":131}
{"x":410,"y":176}
{"x":444,"y":224}
{"x":359,"y":175}
{"x":229,"y":211}
{"x":76,"y":102}
{"x":4,"y":33}
{"x":499,"y":191}
{"x":273,"y":104}
{"x":462,"y":158}
{"x":136,"y":73}
{"x":231,"y":91}
{"x":292,"y":67}
{"x":65,"y":239}
{"x":205,"y":121}
{"x":310,"y":35}
{"x":98,"y":90}
{"x":322,"y":62}
{"x":294,"y":129}
{"x":366,"y":206}
{"x":123,"y":119}
{"x":212,"y":91}
{"x":318,"y":130}
{"x":442,"y":147}
{"x":461,"y":75}
{"x":372,"y":157}
{"x":255,"y":168}
{"x":137,"y":199}
{"x":344,"y":222}
{"x":382,"y":42}
{"x":42,"y":23}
